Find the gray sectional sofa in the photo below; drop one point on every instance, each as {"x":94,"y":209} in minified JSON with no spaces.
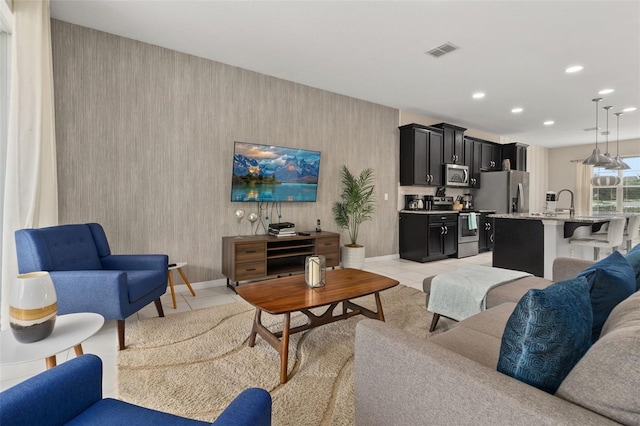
{"x":451,"y":378}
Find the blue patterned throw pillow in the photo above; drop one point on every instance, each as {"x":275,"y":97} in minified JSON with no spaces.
{"x":547,"y":334}
{"x":611,"y":280}
{"x":633,"y":257}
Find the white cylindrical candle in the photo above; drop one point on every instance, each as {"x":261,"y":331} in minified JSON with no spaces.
{"x":315,"y":271}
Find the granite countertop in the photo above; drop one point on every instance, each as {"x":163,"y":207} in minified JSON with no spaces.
{"x":559,"y":218}
{"x":430,"y":211}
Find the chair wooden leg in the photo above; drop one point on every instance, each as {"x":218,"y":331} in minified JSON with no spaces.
{"x":434,"y":322}
{"x":159,"y":307}
{"x":121,"y":334}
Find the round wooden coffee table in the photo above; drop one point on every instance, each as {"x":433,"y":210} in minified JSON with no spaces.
{"x":69,"y":332}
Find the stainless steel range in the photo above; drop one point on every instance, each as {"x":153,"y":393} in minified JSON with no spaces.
{"x":468,"y":233}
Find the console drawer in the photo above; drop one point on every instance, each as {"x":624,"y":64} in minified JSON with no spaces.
{"x":250,"y":270}
{"x":250,"y":252}
{"x":332,"y":259}
{"x":326,"y":245}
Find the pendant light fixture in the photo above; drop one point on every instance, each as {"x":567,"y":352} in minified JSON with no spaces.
{"x":618,"y":164}
{"x":606,"y":133}
{"x":596,"y":159}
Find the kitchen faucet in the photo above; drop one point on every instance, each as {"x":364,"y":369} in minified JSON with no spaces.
{"x":571,"y":209}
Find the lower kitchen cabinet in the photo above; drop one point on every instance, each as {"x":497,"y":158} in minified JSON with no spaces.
{"x":426,"y":237}
{"x":485,"y":232}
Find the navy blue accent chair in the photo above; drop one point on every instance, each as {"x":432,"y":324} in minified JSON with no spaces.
{"x":87,"y":277}
{"x":71,"y":394}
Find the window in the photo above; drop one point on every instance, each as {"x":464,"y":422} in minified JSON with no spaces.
{"x":623,"y":197}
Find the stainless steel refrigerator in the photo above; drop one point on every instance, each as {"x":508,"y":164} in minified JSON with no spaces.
{"x":504,"y":192}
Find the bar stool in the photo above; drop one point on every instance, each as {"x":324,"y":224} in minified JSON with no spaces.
{"x":179,"y":267}
{"x":633,"y":231}
{"x":613,"y":239}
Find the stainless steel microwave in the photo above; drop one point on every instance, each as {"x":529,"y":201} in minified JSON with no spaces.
{"x":456,"y":175}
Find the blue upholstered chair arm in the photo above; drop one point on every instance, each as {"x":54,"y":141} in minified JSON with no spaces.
{"x":251,"y":407}
{"x":104,"y":292}
{"x":54,"y":396}
{"x":133,"y":262}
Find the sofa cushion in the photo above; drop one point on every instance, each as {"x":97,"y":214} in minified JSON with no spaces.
{"x":633,"y":257}
{"x":611,"y":280}
{"x":514,"y":290}
{"x":607,"y":378}
{"x":484,"y":330}
{"x":547,"y":334}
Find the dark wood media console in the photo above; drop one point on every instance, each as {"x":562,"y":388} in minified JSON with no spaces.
{"x":256,"y":257}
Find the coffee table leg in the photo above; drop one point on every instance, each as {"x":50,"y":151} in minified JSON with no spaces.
{"x":254,"y":330}
{"x":379,"y":306}
{"x":284,"y":348}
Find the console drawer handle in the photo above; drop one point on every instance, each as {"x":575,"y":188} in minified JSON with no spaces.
{"x":250,"y":251}
{"x":251,"y":269}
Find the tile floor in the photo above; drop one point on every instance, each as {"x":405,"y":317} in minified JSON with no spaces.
{"x":104,"y":343}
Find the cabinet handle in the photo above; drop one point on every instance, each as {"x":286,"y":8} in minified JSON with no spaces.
{"x":328,"y":244}
{"x":250,"y":269}
{"x":442,"y":230}
{"x":491,"y":237}
{"x":250,"y":251}
{"x":446,"y":230}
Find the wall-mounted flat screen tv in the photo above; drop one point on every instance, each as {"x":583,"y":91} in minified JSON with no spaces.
{"x":274,"y":173}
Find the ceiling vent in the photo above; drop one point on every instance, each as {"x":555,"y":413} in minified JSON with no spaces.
{"x":442,"y":50}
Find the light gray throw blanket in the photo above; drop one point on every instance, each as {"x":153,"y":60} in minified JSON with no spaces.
{"x":462,"y":293}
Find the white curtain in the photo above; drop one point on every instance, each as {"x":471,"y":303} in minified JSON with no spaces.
{"x":582,"y":175}
{"x":31,"y":189}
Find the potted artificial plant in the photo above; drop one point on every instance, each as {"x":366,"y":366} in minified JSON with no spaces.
{"x":356,"y":205}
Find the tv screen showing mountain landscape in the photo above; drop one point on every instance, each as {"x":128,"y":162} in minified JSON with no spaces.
{"x":274,"y":173}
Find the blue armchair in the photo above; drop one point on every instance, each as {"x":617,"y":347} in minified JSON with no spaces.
{"x":71,"y":394}
{"x":87,"y":277}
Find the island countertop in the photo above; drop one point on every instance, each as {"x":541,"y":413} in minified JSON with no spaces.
{"x":559,"y":217}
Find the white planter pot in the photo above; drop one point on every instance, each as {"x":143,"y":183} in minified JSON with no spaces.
{"x":352,"y":257}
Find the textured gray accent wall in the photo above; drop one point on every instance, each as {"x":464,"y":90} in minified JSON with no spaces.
{"x":145,"y":145}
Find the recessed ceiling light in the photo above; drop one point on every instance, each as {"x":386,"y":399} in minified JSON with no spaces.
{"x":517,"y":110}
{"x":574,"y":68}
{"x":478,"y":95}
{"x":629,"y":109}
{"x":605,"y":91}
{"x":548,"y":122}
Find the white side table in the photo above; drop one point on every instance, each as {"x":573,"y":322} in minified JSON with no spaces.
{"x":69,"y":332}
{"x":179,"y":267}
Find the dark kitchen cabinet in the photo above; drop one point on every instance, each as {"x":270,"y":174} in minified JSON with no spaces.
{"x":442,"y":235}
{"x":472,"y":159}
{"x":491,"y":156}
{"x":426,"y":237}
{"x":517,"y":154}
{"x":420,"y":155}
{"x":453,"y":151}
{"x":485,"y":232}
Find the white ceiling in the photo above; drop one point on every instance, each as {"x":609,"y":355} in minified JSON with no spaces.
{"x":514,"y":51}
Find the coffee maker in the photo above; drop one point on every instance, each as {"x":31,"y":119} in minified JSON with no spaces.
{"x":413,"y":202}
{"x":467,"y":202}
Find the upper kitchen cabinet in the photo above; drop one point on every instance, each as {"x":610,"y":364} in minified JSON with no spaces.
{"x":517,"y":154}
{"x":472,"y":159}
{"x":490,"y":156}
{"x":420,"y":155}
{"x":453,"y":145}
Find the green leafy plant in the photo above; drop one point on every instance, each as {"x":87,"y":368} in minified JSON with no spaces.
{"x":357,"y":202}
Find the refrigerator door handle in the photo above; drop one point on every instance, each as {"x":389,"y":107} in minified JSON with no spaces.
{"x":520,"y":199}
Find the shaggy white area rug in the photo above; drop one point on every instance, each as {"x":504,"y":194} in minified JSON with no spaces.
{"x":193,"y":364}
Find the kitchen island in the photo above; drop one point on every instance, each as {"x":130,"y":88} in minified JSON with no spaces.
{"x":530,"y":242}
